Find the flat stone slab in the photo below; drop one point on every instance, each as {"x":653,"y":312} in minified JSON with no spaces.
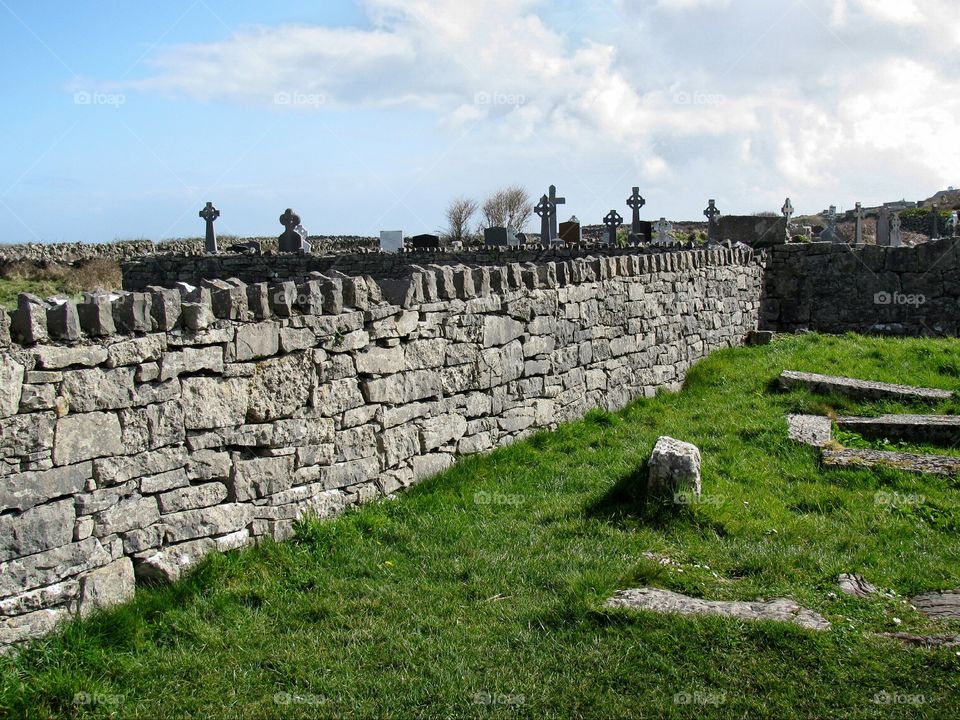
{"x":665,"y":601}
{"x":862,"y":389}
{"x":855,"y":585}
{"x":938,"y":429}
{"x":939,"y":605}
{"x":814,"y":430}
{"x":926,"y":464}
{"x":930,"y":641}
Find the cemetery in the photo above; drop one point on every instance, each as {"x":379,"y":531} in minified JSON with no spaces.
{"x":241,"y":394}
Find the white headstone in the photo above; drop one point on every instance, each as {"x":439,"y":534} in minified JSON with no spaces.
{"x":663,"y":233}
{"x":391,"y":240}
{"x":883,"y":228}
{"x":896,"y":239}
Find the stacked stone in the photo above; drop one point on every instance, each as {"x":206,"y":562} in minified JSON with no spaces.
{"x":910,"y":291}
{"x":224,"y":413}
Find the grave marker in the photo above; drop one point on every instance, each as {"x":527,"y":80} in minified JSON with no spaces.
{"x":858,"y":215}
{"x":883,"y":227}
{"x":571,"y":231}
{"x":499,"y":237}
{"x":635,"y":202}
{"x":613,"y":221}
{"x":896,"y":235}
{"x":554,"y":202}
{"x":209,"y":214}
{"x":391,"y":241}
{"x":545,"y":209}
{"x":294,"y":237}
{"x":934,"y":222}
{"x":787,"y":211}
{"x":663,"y":232}
{"x":713,"y":227}
{"x":425,"y":242}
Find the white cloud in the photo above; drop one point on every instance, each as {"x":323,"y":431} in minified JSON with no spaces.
{"x":813,"y":97}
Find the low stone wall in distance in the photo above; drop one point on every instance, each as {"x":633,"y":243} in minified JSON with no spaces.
{"x":834,"y":288}
{"x":234,"y":411}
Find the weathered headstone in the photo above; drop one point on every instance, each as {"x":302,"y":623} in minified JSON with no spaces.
{"x":635,"y":202}
{"x":571,"y":232}
{"x":391,"y":240}
{"x":758,"y":231}
{"x":896,"y":235}
{"x":883,"y":227}
{"x":787,"y":211}
{"x":209,"y":215}
{"x":713,"y":227}
{"x":425,"y":242}
{"x":663,"y":232}
{"x":830,"y":232}
{"x":545,"y":210}
{"x":858,"y":216}
{"x":294,"y":237}
{"x":555,"y":202}
{"x":934,"y":222}
{"x":499,"y":236}
{"x":953,"y":222}
{"x":613,"y":221}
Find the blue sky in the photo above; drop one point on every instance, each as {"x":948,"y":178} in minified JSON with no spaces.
{"x":121,"y":119}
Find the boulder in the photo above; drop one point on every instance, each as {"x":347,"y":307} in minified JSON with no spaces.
{"x":674,"y":468}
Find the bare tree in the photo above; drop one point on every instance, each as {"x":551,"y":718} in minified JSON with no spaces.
{"x":509,"y":207}
{"x":459,"y":213}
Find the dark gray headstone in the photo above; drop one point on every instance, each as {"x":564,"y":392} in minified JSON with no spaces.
{"x":571,"y":232}
{"x":883,"y":227}
{"x":712,"y":214}
{"x":635,"y":202}
{"x":209,"y":215}
{"x":757,"y":231}
{"x":499,"y":236}
{"x":545,"y":209}
{"x":294,"y":237}
{"x":555,"y":202}
{"x":613,"y":221}
{"x":425,"y":241}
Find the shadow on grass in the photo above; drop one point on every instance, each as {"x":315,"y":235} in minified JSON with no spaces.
{"x":630,"y":502}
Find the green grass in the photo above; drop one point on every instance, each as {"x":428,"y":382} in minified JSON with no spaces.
{"x":54,"y":279}
{"x":411,"y":607}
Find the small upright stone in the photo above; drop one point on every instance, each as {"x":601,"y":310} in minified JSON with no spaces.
{"x":29,"y":320}
{"x":131,"y":313}
{"x":165,"y":307}
{"x":96,"y":314}
{"x":674,"y":469}
{"x":62,"y":320}
{"x":294,"y":237}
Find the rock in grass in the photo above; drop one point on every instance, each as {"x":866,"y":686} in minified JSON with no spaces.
{"x":674,"y":469}
{"x":665,"y":601}
{"x":855,"y":585}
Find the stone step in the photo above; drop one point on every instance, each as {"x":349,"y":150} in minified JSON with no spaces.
{"x":927,"y":464}
{"x":860,"y":389}
{"x":937,"y":429}
{"x":938,"y":605}
{"x":665,"y":601}
{"x":814,"y":430}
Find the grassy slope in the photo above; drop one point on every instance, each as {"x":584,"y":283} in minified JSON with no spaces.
{"x":408,"y":608}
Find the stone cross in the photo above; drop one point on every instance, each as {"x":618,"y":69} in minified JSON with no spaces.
{"x":294,"y":237}
{"x":896,"y":236}
{"x":713,"y":227}
{"x":548,"y":213}
{"x":833,"y":235}
{"x":787,"y":210}
{"x":613,"y":221}
{"x":858,"y":214}
{"x":635,"y":202}
{"x":554,"y":202}
{"x":663,"y":232}
{"x":210,"y":214}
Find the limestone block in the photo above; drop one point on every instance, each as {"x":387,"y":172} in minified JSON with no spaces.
{"x":96,"y":315}
{"x":425,"y":466}
{"x":11,"y":383}
{"x":192,"y":498}
{"x":137,"y":351}
{"x":191,"y":360}
{"x":54,"y":357}
{"x":214,"y":402}
{"x":260,"y":477}
{"x":674,"y":468}
{"x":96,"y":389}
{"x":440,"y":430}
{"x":338,"y":396}
{"x":28,"y":323}
{"x":380,"y":361}
{"x":47,"y":568}
{"x":254,"y":341}
{"x":349,"y":473}
{"x":41,"y":528}
{"x":207,"y":522}
{"x":280,"y":387}
{"x":87,"y":436}
{"x":356,"y":443}
{"x":500,"y":330}
{"x":106,"y":587}
{"x":118,"y":470}
{"x":130,"y":513}
{"x":25,"y":490}
{"x":403,"y":387}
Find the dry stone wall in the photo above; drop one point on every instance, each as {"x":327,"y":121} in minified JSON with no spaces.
{"x":141,"y":433}
{"x":835,"y":288}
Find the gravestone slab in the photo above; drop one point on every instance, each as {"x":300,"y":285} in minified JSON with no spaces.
{"x":499,"y":237}
{"x":755,"y":231}
{"x":294,"y":237}
{"x":425,"y":242}
{"x":664,"y":229}
{"x":896,"y":233}
{"x":571,"y":232}
{"x":391,"y":241}
{"x":883,"y":227}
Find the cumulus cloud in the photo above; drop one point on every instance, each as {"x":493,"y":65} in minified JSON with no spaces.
{"x":808,"y":95}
